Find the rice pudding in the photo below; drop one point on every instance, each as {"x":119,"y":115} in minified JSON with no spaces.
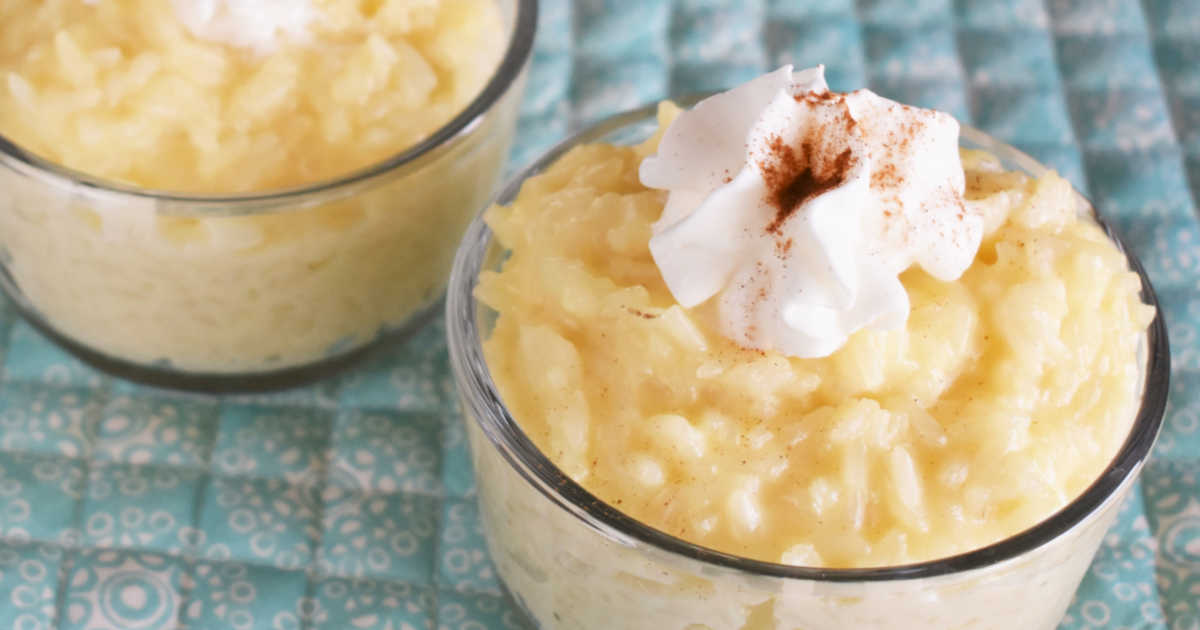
{"x":1001,"y":394}
{"x":210,"y":177}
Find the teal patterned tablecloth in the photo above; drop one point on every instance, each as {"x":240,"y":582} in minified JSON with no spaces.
{"x":350,"y":504}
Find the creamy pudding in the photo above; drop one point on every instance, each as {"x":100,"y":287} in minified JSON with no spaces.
{"x":770,"y":387}
{"x":209,"y":177}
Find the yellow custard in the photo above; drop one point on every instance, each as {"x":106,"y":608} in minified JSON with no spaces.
{"x":1005,"y":395}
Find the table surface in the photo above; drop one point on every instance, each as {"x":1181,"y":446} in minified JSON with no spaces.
{"x":350,"y":503}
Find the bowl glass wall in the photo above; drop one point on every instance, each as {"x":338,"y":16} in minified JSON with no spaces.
{"x":572,"y":561}
{"x":216,"y":291}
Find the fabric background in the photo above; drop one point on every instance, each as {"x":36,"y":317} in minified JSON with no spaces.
{"x":349,"y":504}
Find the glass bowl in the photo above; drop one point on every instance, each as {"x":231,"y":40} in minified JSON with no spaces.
{"x":572,"y":561}
{"x":260,"y":290}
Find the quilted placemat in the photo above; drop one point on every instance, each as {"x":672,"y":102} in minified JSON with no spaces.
{"x":349,"y":504}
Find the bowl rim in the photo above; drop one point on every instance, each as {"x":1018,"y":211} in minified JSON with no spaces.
{"x":483,"y":403}
{"x":507,"y":72}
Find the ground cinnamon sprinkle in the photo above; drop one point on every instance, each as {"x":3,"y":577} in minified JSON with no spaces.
{"x":763,"y":279}
{"x":819,"y":97}
{"x":792,"y":179}
{"x":782,"y":247}
{"x":886,"y":176}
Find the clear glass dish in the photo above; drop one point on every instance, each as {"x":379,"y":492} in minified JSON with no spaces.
{"x":572,"y":561}
{"x":260,"y":290}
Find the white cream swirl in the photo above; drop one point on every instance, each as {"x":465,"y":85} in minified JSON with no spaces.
{"x":257,"y":25}
{"x":798,"y":208}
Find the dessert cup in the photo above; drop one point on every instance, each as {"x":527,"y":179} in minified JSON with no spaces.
{"x":257,"y":290}
{"x":572,"y":561}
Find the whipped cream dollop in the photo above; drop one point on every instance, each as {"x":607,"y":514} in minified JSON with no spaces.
{"x":795,"y":209}
{"x":257,"y":25}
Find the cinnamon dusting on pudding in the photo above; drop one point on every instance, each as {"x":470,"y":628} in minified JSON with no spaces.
{"x":793,"y":177}
{"x":861,"y":165}
{"x":813,"y":97}
{"x":783,"y":247}
{"x":886,"y":175}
